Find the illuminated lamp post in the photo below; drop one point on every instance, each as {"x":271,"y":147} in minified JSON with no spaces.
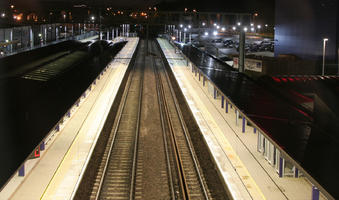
{"x":324,"y":55}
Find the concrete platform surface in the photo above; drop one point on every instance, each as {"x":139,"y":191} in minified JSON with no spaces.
{"x":245,"y":171}
{"x":56,"y":174}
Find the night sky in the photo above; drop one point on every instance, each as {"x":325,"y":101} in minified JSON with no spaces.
{"x":265,"y":8}
{"x":212,"y":5}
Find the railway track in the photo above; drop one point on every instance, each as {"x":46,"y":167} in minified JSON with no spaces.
{"x":117,"y":180}
{"x":190,"y":176}
{"x":149,"y":153}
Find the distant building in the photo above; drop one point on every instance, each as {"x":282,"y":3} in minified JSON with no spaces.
{"x":301,"y":26}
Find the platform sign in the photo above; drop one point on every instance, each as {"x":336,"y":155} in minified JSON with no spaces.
{"x":250,"y":64}
{"x":253,"y":65}
{"x":235,"y":62}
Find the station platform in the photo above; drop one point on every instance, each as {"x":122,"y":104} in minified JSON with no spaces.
{"x":56,"y":174}
{"x":245,"y":171}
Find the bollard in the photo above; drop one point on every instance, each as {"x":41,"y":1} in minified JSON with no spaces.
{"x":315,"y":193}
{"x":254,"y":130}
{"x":68,"y":114}
{"x":236,"y":117}
{"x":274,"y":153}
{"x":22,"y":170}
{"x":281,"y":165}
{"x":89,"y":88}
{"x":57,"y":128}
{"x":243,"y":124}
{"x":195,"y":71}
{"x":222,"y":101}
{"x":258,"y":142}
{"x":42,"y":146}
{"x":94,"y":82}
{"x":199,"y":76}
{"x":203,"y":80}
{"x":296,"y":172}
{"x":214,"y":93}
{"x":226,"y":106}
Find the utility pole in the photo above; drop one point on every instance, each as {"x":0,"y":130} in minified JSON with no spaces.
{"x":242,"y":38}
{"x":147,"y":32}
{"x":100,"y":34}
{"x":324,"y":55}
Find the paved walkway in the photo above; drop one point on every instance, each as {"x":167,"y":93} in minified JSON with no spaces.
{"x":245,"y":171}
{"x":56,"y":173}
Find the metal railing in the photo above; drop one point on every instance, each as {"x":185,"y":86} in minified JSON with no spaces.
{"x":283,"y":153}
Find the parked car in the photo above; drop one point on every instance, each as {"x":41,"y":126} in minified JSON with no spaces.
{"x":228,"y":43}
{"x":219,"y":40}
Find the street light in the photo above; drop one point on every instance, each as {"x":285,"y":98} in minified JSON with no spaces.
{"x":324,"y":52}
{"x":215,"y":33}
{"x":206,"y":33}
{"x":218,"y":27}
{"x":239,"y":23}
{"x":252,"y":29}
{"x":259,"y":26}
{"x":245,"y":29}
{"x":185,"y":29}
{"x":234,"y":28}
{"x":181,"y":25}
{"x":252,"y":24}
{"x":3,"y":15}
{"x":92,"y":18}
{"x":189,"y":26}
{"x":223,"y":29}
{"x":203,"y":24}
